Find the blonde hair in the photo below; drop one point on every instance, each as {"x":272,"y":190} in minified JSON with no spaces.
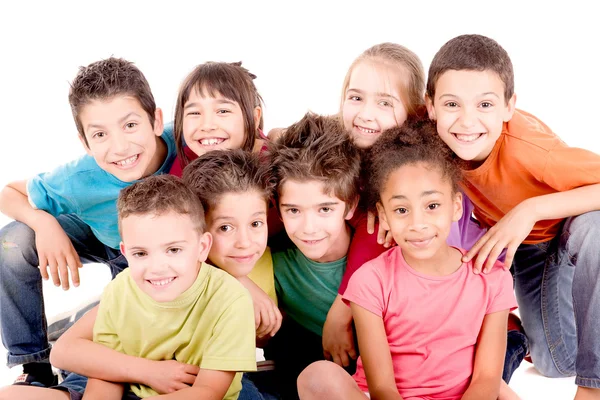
{"x":404,"y":62}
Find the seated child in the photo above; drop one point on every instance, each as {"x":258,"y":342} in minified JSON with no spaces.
{"x":316,"y":168}
{"x":427,"y":326}
{"x":224,"y":180}
{"x":69,"y":216}
{"x":169,"y":305}
{"x":538,"y":196}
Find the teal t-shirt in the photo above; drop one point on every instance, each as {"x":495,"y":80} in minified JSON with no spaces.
{"x":82,"y":188}
{"x":306,"y":289}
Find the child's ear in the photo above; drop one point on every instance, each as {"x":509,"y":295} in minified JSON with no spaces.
{"x":382,"y":217}
{"x":458,"y":206}
{"x":257,"y":116}
{"x":510,"y":108}
{"x":122,"y":248}
{"x":158,"y":122}
{"x":86,"y":147}
{"x":430,"y":108}
{"x":351,"y":210}
{"x":205,"y":241}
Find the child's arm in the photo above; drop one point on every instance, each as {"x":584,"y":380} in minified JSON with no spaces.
{"x":209,"y":385}
{"x":96,"y":389}
{"x":107,"y":364}
{"x":489,"y":358}
{"x":267,"y":317}
{"x":338,"y":337}
{"x":53,"y":245}
{"x":515,"y":226}
{"x":375,"y":354}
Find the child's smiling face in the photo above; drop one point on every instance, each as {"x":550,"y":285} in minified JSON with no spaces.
{"x":121,"y":138}
{"x":164,"y":253}
{"x":470,"y":110}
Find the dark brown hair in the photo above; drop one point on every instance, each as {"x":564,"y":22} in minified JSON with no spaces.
{"x":219,"y":172}
{"x":414,"y":142}
{"x":405,"y":62}
{"x":317,"y":148}
{"x":158,"y":195}
{"x":105,"y":79}
{"x":472,"y":53}
{"x":231,"y":81}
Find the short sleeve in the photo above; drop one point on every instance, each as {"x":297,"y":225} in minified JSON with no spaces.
{"x":503,"y":297}
{"x":571,"y":167}
{"x":366,"y":289}
{"x":104,"y":327}
{"x":50,"y":191}
{"x":232,"y":345}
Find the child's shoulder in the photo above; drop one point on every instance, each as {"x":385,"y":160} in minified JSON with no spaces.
{"x":529,"y":129}
{"x":220,"y":284}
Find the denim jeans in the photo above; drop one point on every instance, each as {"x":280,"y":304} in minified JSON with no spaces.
{"x":516,"y":350}
{"x":558,"y":291}
{"x":251,"y":390}
{"x":22,"y":318}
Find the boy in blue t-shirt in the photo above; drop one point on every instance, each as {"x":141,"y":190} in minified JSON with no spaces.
{"x":317,"y":170}
{"x":69,"y":216}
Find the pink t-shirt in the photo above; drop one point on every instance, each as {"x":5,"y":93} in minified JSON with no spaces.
{"x":432,"y":322}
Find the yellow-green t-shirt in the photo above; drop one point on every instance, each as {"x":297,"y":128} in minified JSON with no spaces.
{"x":210,"y":325}
{"x":262,"y":275}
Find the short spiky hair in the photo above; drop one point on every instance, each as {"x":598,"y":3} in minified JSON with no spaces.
{"x":218,"y":172}
{"x":317,"y":148}
{"x":105,"y":79}
{"x":416,"y":141}
{"x":472,"y":53}
{"x":158,"y":195}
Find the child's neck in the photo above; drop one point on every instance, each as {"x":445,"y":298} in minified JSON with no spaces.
{"x":159,"y":156}
{"x":446,"y":261}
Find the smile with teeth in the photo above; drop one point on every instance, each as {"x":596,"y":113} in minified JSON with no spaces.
{"x":127,"y":162}
{"x":243,"y":259}
{"x":466,"y":138}
{"x":213,"y":141}
{"x":160,"y":282}
{"x":420,"y":242}
{"x":366,"y":131}
{"x":312,"y":242}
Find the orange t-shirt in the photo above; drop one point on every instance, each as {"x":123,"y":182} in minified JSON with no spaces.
{"x":528,"y":160}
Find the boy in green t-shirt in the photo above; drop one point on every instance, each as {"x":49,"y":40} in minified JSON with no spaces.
{"x":317,"y":169}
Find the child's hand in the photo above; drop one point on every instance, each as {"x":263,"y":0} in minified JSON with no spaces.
{"x":383,"y":237}
{"x":56,"y":251}
{"x":508,"y":233}
{"x":170,"y":376}
{"x":267,"y":317}
{"x":338,"y":337}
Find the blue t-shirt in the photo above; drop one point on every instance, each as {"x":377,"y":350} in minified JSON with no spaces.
{"x":81,"y":187}
{"x":305,"y":288}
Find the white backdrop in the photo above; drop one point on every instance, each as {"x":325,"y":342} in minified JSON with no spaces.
{"x":300,"y":52}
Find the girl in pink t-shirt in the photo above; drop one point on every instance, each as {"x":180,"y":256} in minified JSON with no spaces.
{"x":428,"y":327}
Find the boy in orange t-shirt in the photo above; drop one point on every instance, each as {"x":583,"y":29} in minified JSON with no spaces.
{"x":539,"y":198}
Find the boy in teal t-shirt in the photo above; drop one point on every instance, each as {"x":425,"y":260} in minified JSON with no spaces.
{"x":69,"y":215}
{"x":317,"y":170}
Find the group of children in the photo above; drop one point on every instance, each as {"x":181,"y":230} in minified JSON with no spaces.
{"x":221,"y":239}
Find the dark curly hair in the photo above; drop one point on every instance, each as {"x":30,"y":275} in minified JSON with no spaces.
{"x":416,"y":141}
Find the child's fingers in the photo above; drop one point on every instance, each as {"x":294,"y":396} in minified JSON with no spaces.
{"x":278,"y":321}
{"x":510,"y":255}
{"x":63,"y":270}
{"x":492,"y":257}
{"x":337,"y":359}
{"x":344,"y":359}
{"x":389,"y":239}
{"x":192,"y":370}
{"x":256,"y":318}
{"x":381,"y":235}
{"x":53,"y":271}
{"x":370,"y":222}
{"x":475,"y":249}
{"x":44,"y":267}
{"x":352,"y":352}
{"x":327,"y":355}
{"x":73,"y":267}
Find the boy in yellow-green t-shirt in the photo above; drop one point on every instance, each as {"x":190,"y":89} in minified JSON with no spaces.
{"x":169,"y":304}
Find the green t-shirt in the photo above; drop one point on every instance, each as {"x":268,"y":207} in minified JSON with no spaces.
{"x":305,"y":288}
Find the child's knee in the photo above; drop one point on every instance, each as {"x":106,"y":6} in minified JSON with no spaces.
{"x":317,"y":380}
{"x":17,"y":245}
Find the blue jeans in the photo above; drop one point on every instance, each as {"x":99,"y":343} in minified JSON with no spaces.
{"x":22,"y":318}
{"x":558,"y":291}
{"x":251,"y":391}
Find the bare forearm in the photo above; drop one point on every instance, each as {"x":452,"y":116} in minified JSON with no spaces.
{"x":100,"y":361}
{"x":482,"y":390}
{"x":15,"y":205}
{"x":193,"y":393}
{"x":565,"y":204}
{"x":385,"y":394}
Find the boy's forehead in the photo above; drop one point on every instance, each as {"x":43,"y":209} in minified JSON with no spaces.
{"x":309,"y":192}
{"x":486,"y":81}
{"x":110,"y":110}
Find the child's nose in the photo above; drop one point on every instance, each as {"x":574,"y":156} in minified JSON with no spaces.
{"x":242,"y":239}
{"x":207,"y":122}
{"x":120,"y":144}
{"x":367,"y":111}
{"x":467,"y":118}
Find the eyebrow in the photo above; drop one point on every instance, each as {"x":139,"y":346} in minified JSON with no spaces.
{"x":481,"y":95}
{"x":326,"y":204}
{"x":227,"y":217}
{"x":424,"y":194}
{"x":126,"y":117}
{"x":164,"y":245}
{"x":378,"y":94}
{"x":219,"y":101}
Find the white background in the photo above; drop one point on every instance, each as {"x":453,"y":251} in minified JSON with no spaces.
{"x":300,"y":52}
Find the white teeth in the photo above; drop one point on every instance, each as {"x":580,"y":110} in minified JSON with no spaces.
{"x":211,"y":141}
{"x":127,"y":161}
{"x":161,"y":282}
{"x":365,"y":130}
{"x":467,"y":138}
